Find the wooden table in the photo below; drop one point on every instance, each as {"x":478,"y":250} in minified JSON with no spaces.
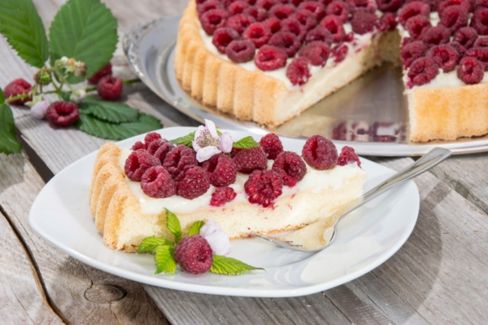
{"x":439,"y":276}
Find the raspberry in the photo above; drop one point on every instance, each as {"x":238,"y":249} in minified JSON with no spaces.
{"x":62,"y":113}
{"x":262,"y":187}
{"x":151,"y":136}
{"x":422,"y":70}
{"x":436,"y":35}
{"x":315,"y":8}
{"x":363,"y":21}
{"x":192,"y":182}
{"x":266,"y":4}
{"x":154,"y":145}
{"x":454,"y":17}
{"x":448,"y":3}
{"x":319,"y":152}
{"x":466,"y":36}
{"x":106,"y":70}
{"x":157,"y":182}
{"x":481,"y":54}
{"x":137,"y":163}
{"x":221,"y":169}
{"x":258,"y":33}
{"x":387,"y":22}
{"x":287,"y":41}
{"x":270,"y":58}
{"x":293,"y":25}
{"x":339,"y":53}
{"x":361,"y":4}
{"x":338,"y":8}
{"x":240,"y":51}
{"x":316,"y":52}
{"x":222,"y":195}
{"x":334,"y":25}
{"x":281,"y":11}
{"x":389,"y":5}
{"x":208,"y":5}
{"x":110,"y":88}
{"x":319,"y":33}
{"x":247,"y":160}
{"x":298,"y":72}
{"x":259,"y":14}
{"x":271,"y":145}
{"x":412,"y":51}
{"x":292,"y":166}
{"x":303,"y":16}
{"x":237,"y":7}
{"x":194,"y":254}
{"x":138,"y":145}
{"x":458,"y":47}
{"x":239,"y":22}
{"x":417,"y":25}
{"x":273,"y":24}
{"x":480,"y":21}
{"x":179,"y":158}
{"x":18,"y":88}
{"x":162,"y":151}
{"x":212,"y":20}
{"x":445,"y":56}
{"x":481,"y":42}
{"x":222,"y":37}
{"x":412,"y":9}
{"x":470,"y":70}
{"x":480,"y":3}
{"x":348,"y":155}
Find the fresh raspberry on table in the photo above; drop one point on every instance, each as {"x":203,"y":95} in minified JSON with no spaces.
{"x":257,"y":13}
{"x":281,"y":11}
{"x":248,"y":160}
{"x":317,"y":9}
{"x":436,"y":35}
{"x":222,"y":195}
{"x":422,"y":71}
{"x":454,"y":17}
{"x":270,"y":58}
{"x":151,"y":137}
{"x":137,"y":163}
{"x":258,"y":33}
{"x":417,"y":25}
{"x":348,"y":155}
{"x":470,"y":70}
{"x":319,"y":33}
{"x":298,"y":72}
{"x":271,"y":145}
{"x":480,"y":53}
{"x":290,"y":166}
{"x":179,"y":158}
{"x":192,"y":182}
{"x":363,"y":21}
{"x":240,"y":22}
{"x":287,"y":41}
{"x":319,"y":152}
{"x":62,"y":114}
{"x":445,"y":56}
{"x":389,"y":5}
{"x":443,"y":4}
{"x":222,"y":38}
{"x":411,"y":51}
{"x":387,"y":22}
{"x":413,"y":9}
{"x":194,"y":254}
{"x":273,"y":24}
{"x":316,"y":52}
{"x":340,"y":9}
{"x":237,"y":7}
{"x":106,"y":70}
{"x":293,"y":26}
{"x":18,"y":88}
{"x":303,"y":16}
{"x":480,"y":20}
{"x":466,"y":36}
{"x":213,"y":19}
{"x":240,"y":51}
{"x":334,"y":25}
{"x":110,"y":88}
{"x":221,"y":169}
{"x":157,"y":182}
{"x":263,"y":187}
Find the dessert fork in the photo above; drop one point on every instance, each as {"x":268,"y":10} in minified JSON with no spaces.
{"x":319,"y":234}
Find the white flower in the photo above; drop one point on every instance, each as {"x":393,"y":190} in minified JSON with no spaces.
{"x":77,"y":95}
{"x":39,"y":109}
{"x":207,"y":141}
{"x":216,"y":238}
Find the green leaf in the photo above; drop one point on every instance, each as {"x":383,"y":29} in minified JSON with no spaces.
{"x":163,"y":257}
{"x":85,"y":30}
{"x":2,"y":97}
{"x":185,"y":140}
{"x":112,"y":131}
{"x":149,"y":244}
{"x":195,"y":228}
{"x":8,"y":139}
{"x":246,"y":143}
{"x":230,"y":266}
{"x":22,"y":27}
{"x":173,"y":225}
{"x":109,"y":111}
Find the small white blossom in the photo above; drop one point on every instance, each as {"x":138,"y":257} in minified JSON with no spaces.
{"x":216,"y":238}
{"x":207,"y":141}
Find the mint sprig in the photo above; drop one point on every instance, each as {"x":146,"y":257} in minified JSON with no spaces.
{"x":195,"y":227}
{"x":8,"y":139}
{"x":163,"y":257}
{"x":173,"y":224}
{"x":230,"y":266}
{"x":185,"y":140}
{"x":149,"y":244}
{"x":246,"y":143}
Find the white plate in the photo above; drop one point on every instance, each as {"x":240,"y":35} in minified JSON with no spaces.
{"x":363,"y":240}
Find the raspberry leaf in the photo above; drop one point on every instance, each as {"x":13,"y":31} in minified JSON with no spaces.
{"x":173,"y":225}
{"x":22,"y":27}
{"x":85,"y":30}
{"x":163,"y":257}
{"x":230,"y":266}
{"x":246,"y":143}
{"x":195,"y":228}
{"x":185,"y":140}
{"x":109,"y":111}
{"x":8,"y":139}
{"x":2,"y":97}
{"x":149,"y":244}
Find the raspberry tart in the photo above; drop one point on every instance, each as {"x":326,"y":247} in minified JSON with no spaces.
{"x":269,"y":60}
{"x":243,"y":186}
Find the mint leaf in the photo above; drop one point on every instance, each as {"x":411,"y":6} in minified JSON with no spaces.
{"x":22,"y":27}
{"x":163,"y":257}
{"x":112,"y":131}
{"x":185,"y":140}
{"x":109,"y":111}
{"x":230,"y":266}
{"x":195,"y":228}
{"x":85,"y":30}
{"x":8,"y":139}
{"x":149,"y":244}
{"x":173,"y":225}
{"x":246,"y":143}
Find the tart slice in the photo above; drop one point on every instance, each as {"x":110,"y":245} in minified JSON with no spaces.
{"x":245,"y":187}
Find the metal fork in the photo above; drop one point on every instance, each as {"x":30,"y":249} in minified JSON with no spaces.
{"x":319,"y":234}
